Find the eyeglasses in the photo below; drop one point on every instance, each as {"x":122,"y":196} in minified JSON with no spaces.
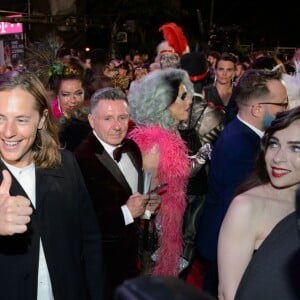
{"x":284,"y":104}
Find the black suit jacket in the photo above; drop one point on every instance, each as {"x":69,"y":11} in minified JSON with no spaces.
{"x":65,"y":221}
{"x":109,"y":190}
{"x":233,"y":159}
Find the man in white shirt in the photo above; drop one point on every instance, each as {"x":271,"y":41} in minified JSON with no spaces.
{"x":50,"y":246}
{"x":261,"y":94}
{"x":115,"y":186}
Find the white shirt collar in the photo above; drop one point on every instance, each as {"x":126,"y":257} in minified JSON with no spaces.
{"x":256,"y":130}
{"x":108,"y":148}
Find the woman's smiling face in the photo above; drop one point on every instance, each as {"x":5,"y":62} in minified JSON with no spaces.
{"x":283,"y":156}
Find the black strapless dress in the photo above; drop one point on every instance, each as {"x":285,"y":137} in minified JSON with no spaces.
{"x":274,"y":270}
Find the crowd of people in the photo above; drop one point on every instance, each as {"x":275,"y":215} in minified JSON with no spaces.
{"x":178,"y":170}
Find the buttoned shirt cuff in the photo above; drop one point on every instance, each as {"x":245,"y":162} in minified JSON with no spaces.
{"x":127,"y":215}
{"x":147,"y":214}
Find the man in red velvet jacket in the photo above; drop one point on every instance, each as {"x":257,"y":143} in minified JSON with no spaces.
{"x":115,"y":186}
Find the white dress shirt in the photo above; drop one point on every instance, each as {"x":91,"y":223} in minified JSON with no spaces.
{"x":26,"y":178}
{"x":130,"y":173}
{"x":256,"y":130}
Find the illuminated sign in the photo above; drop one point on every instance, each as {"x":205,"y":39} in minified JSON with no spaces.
{"x":10,"y":28}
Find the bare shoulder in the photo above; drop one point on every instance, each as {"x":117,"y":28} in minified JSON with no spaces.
{"x":248,"y":203}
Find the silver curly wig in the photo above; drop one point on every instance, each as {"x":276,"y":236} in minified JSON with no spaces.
{"x":150,"y":99}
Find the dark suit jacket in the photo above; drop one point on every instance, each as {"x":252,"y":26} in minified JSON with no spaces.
{"x":65,"y":221}
{"x":233,"y":159}
{"x":109,"y":190}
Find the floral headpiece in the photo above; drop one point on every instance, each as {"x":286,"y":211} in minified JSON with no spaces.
{"x":59,"y":69}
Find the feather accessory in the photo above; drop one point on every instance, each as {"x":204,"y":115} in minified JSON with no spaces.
{"x":173,"y":168}
{"x":175,"y":37}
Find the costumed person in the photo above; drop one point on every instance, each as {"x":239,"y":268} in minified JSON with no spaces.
{"x":206,"y":119}
{"x":123,"y":78}
{"x":158,"y":104}
{"x":70,"y":105}
{"x":66,"y":83}
{"x":119,"y":73}
{"x":203,"y":126}
{"x":174,"y":45}
{"x":69,"y":86}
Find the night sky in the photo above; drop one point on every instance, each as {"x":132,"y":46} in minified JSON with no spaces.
{"x":259,"y":21}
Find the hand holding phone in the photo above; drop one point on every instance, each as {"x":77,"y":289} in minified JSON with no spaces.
{"x":159,"y":186}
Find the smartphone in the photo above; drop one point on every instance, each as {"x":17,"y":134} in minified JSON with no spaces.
{"x":159,"y":186}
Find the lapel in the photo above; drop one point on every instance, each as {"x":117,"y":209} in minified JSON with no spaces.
{"x":113,"y":168}
{"x":105,"y":159}
{"x":44,"y":180}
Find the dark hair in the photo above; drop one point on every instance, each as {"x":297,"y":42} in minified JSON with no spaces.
{"x":214,"y":54}
{"x":226,"y":56}
{"x":268,"y":62}
{"x":74,"y":70}
{"x":253,"y":84}
{"x":260,"y":175}
{"x":125,"y":65}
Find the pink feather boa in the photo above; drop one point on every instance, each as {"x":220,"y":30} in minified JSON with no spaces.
{"x":173,"y":168}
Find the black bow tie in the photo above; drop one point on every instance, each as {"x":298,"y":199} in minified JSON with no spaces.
{"x":117,"y":153}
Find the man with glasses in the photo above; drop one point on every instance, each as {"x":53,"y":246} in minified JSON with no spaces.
{"x":261,"y":94}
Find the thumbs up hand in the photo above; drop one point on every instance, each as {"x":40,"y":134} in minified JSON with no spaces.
{"x":15,"y":211}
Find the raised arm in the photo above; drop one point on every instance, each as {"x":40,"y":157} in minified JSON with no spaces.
{"x":15,"y":211}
